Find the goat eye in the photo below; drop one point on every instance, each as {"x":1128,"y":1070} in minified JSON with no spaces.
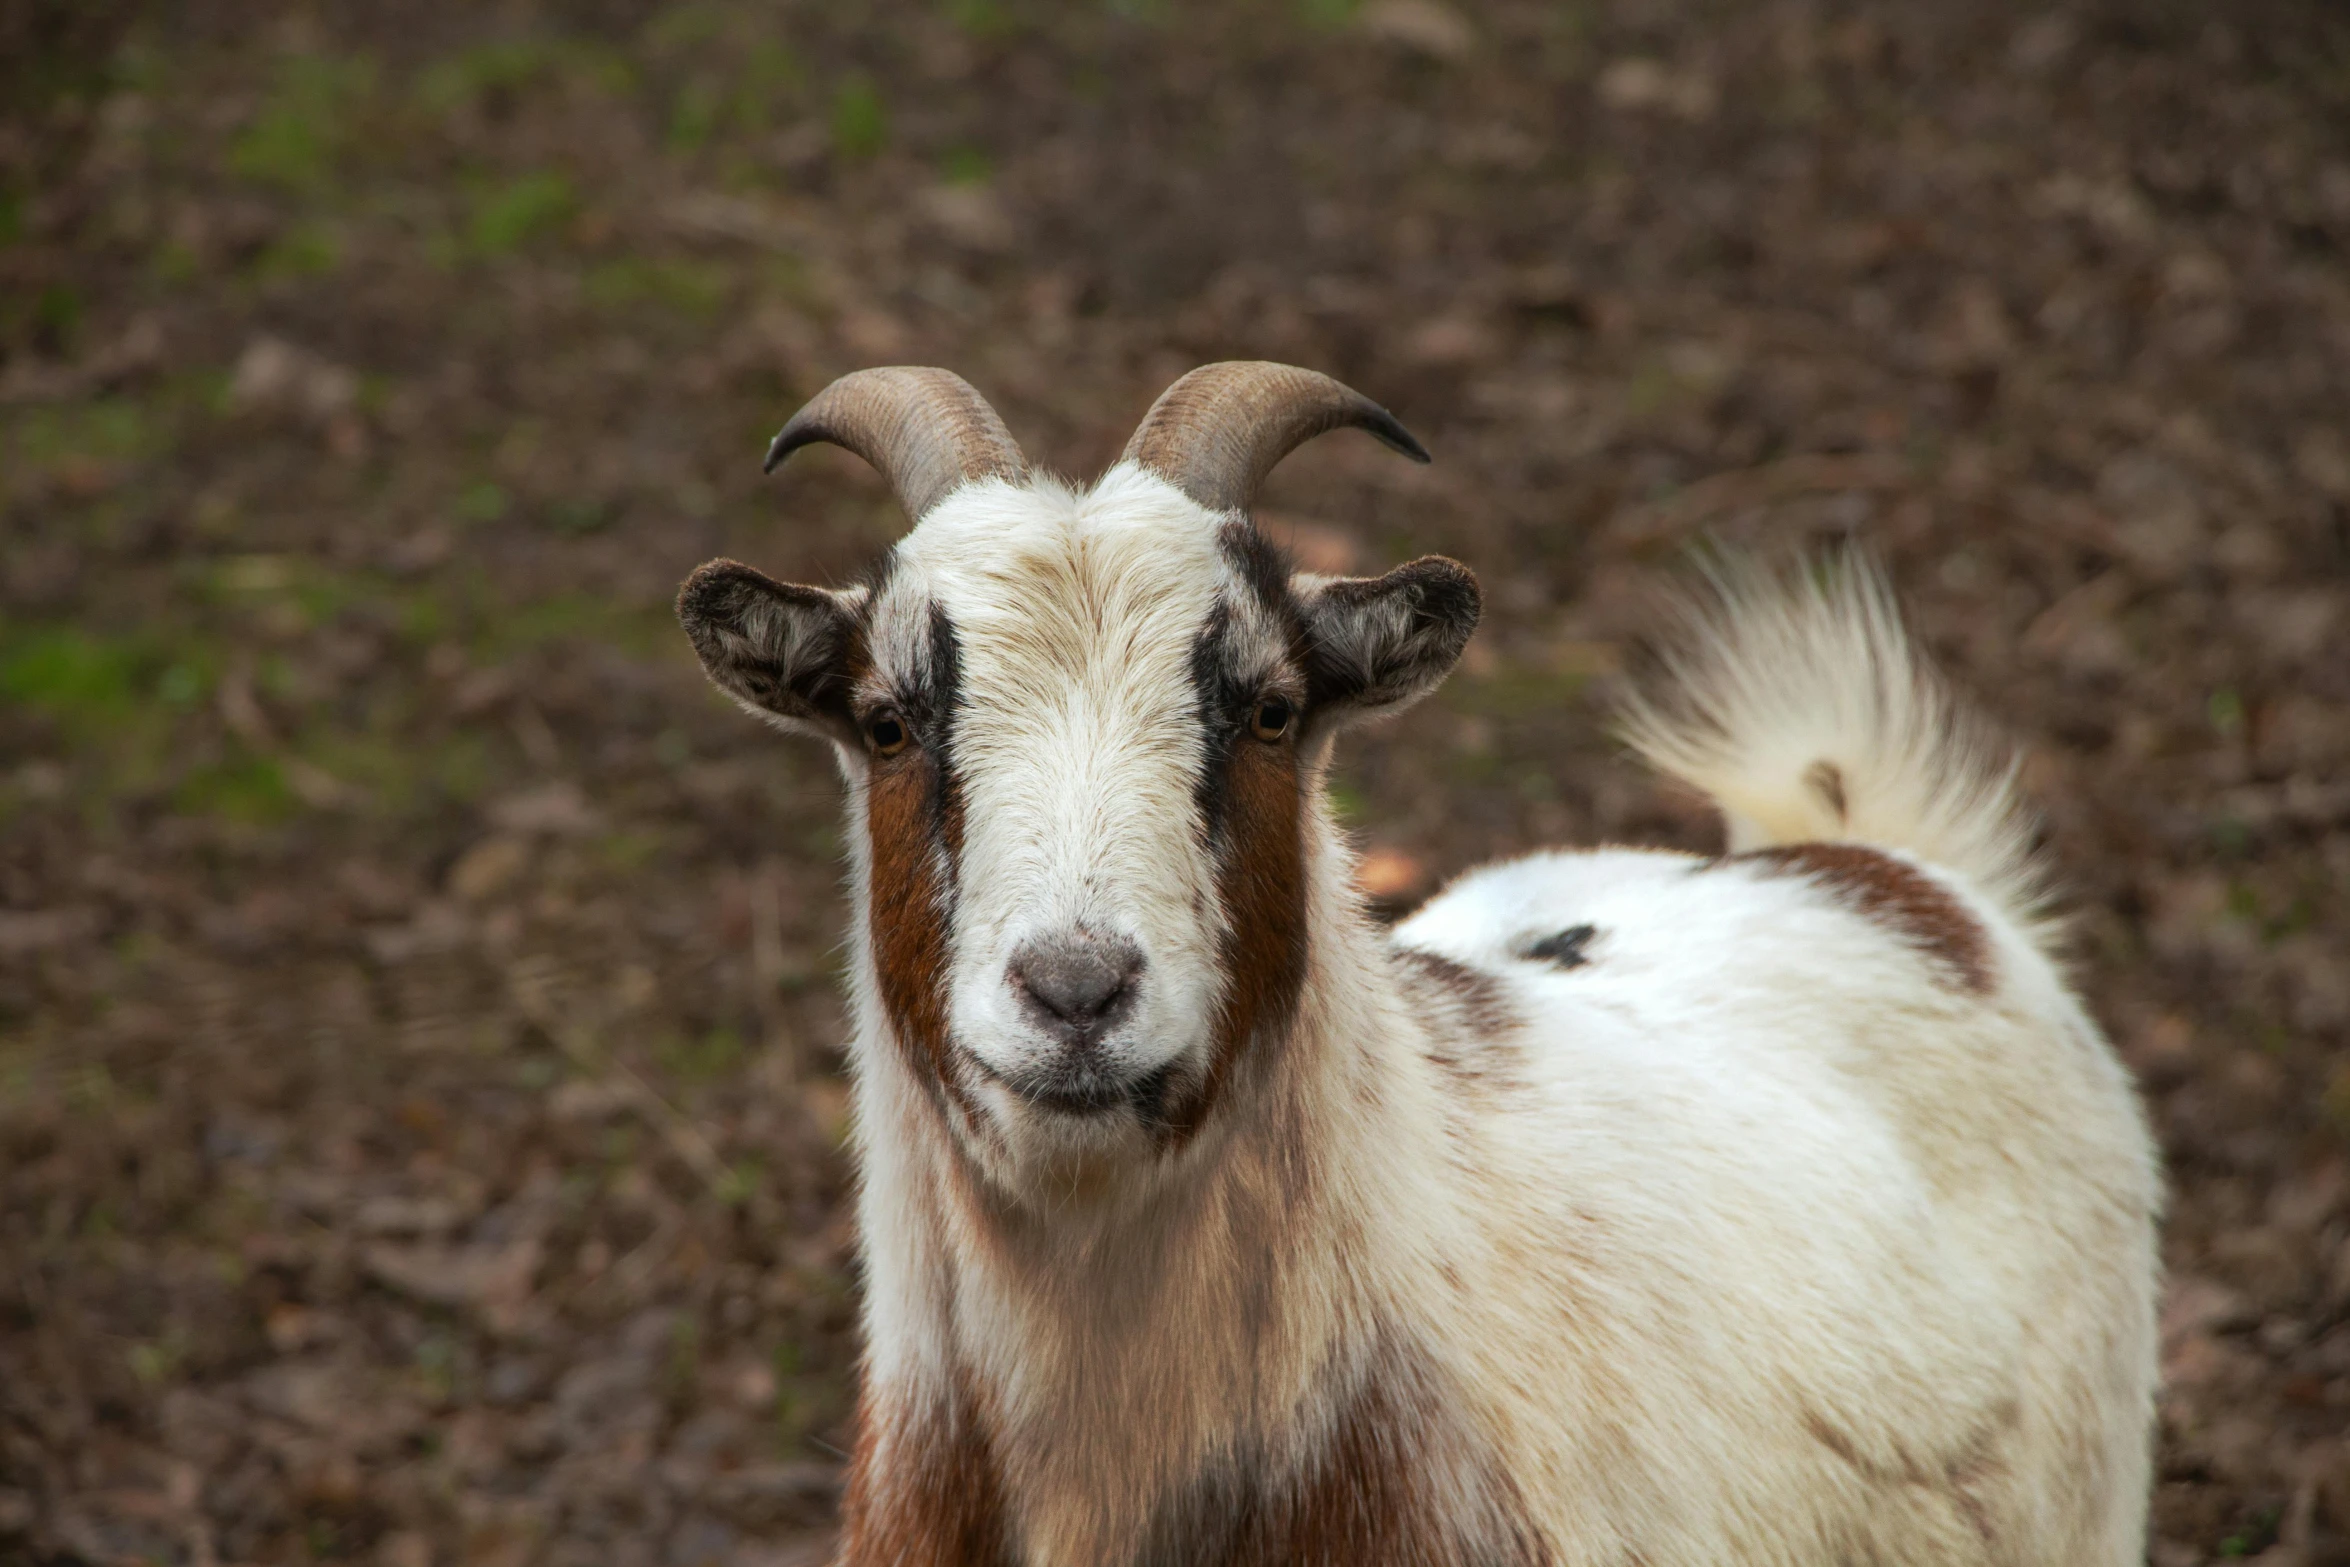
{"x":1271,"y":719}
{"x":887,"y":732}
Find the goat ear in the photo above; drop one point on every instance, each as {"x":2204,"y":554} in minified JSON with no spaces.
{"x":1378,"y":644}
{"x":781,"y":650}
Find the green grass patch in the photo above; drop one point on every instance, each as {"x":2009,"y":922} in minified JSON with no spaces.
{"x":290,"y":588}
{"x":493,"y":73}
{"x":462,"y":767}
{"x":982,"y":18}
{"x":513,"y":629}
{"x":307,"y":250}
{"x":173,"y":264}
{"x":860,"y":121}
{"x":397,"y":773}
{"x":704,"y":1059}
{"x":2225,"y":708}
{"x":308,"y":125}
{"x":628,"y":850}
{"x":735,"y":96}
{"x":510,"y":215}
{"x":696,"y":290}
{"x":71,"y":674}
{"x":245,"y":788}
{"x":1328,"y":14}
{"x":675,"y":29}
{"x":578,"y":516}
{"x":109,"y":430}
{"x":482,"y":502}
{"x":966,"y":166}
{"x":505,"y":66}
{"x":120,"y":694}
{"x":695,"y":114}
{"x":56,"y":312}
{"x":1653,"y":387}
{"x":769,"y":71}
{"x":389,"y":770}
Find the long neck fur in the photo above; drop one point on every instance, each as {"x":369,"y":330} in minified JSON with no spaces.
{"x":1107,"y":1369}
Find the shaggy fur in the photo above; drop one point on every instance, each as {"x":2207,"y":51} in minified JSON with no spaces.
{"x":1621,"y":1207}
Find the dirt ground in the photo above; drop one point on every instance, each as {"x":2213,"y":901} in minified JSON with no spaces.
{"x":420,"y":1096}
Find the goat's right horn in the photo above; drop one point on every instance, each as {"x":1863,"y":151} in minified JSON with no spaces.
{"x":927,"y":430}
{"x":1219,"y":430}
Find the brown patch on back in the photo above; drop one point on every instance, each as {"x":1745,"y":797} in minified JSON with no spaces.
{"x":1261,"y":882}
{"x":1895,"y":895}
{"x":1474,"y":995}
{"x":923,"y":1490}
{"x":1468,"y":1017}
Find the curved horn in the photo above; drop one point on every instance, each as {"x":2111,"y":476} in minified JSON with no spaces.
{"x":927,"y":431}
{"x":1217,"y":432}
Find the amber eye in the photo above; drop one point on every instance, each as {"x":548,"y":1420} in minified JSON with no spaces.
{"x":1271,"y":719}
{"x":887,"y":731}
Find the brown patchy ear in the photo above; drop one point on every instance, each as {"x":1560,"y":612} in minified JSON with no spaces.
{"x":1378,"y":644}
{"x":781,"y":650}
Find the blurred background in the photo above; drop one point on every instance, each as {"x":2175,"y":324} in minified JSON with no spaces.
{"x":421,"y":1107}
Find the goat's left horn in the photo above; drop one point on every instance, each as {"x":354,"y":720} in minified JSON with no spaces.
{"x":1217,"y":432}
{"x":927,"y":430}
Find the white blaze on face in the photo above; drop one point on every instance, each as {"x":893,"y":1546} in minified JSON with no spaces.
{"x":1077,"y":747}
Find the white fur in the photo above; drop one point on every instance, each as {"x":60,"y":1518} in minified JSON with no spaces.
{"x":1077,"y":748}
{"x":1772,"y":677}
{"x":1806,"y":1186}
{"x":1774,"y":1249}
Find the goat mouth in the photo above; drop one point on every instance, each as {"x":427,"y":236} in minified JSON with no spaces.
{"x":1083,"y":1098}
{"x":1084,"y":1089}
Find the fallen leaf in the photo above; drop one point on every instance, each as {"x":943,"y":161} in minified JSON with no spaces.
{"x":1384,"y":874}
{"x":1423,"y":26}
{"x":489,"y":867}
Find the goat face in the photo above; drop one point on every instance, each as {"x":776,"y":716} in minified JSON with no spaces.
{"x":1082,"y":732}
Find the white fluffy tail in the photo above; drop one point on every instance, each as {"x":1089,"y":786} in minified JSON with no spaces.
{"x":1798,"y":704}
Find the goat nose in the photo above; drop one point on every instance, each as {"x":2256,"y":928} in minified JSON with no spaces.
{"x":1076,"y":976}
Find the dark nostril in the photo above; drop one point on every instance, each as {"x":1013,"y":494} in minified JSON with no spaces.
{"x":1076,"y":976}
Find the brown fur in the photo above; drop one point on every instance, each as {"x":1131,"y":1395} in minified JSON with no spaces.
{"x":1469,"y":1019}
{"x":923,"y":1489}
{"x":1376,"y":1491}
{"x":908,"y":923}
{"x":1961,"y":1478}
{"x":1473,"y":994}
{"x":1261,"y":880}
{"x":1896,"y":895}
{"x":1361,"y":1505}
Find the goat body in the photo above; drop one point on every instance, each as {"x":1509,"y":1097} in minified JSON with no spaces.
{"x":1618,"y":1207}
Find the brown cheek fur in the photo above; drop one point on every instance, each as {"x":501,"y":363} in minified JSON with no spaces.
{"x":904,"y":824}
{"x":923,"y":1489}
{"x":1261,"y":882}
{"x":1898,"y":897}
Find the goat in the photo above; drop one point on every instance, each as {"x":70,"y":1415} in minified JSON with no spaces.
{"x":1618,"y":1207}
